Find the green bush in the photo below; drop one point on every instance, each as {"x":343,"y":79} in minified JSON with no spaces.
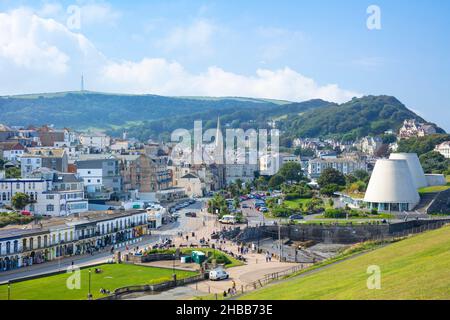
{"x":160,"y":251}
{"x":335,"y":214}
{"x":220,"y":259}
{"x":282,"y":212}
{"x":8,"y":218}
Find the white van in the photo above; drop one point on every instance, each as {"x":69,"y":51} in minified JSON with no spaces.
{"x":228,"y":219}
{"x":218,"y":274}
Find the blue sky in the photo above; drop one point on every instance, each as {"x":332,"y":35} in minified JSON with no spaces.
{"x":292,"y":50}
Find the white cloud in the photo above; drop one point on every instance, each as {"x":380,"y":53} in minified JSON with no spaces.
{"x":24,"y":41}
{"x":42,"y":55}
{"x":50,"y":9}
{"x":94,"y":13}
{"x":196,"y":36}
{"x":170,"y":78}
{"x":278,"y":41}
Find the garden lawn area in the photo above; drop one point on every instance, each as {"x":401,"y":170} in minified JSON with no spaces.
{"x":293,"y":204}
{"x":417,"y":268}
{"x":435,"y":189}
{"x":234,"y":262}
{"x":114,"y":276}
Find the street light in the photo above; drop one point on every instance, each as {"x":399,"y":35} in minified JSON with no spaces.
{"x":89,"y":293}
{"x":173,"y":269}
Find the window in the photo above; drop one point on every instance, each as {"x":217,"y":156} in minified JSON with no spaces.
{"x":50,"y":208}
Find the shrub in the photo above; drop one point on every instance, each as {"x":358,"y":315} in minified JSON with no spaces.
{"x":335,"y":214}
{"x":220,"y":259}
{"x":282,"y":212}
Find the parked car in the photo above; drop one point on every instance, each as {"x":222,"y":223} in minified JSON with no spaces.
{"x":218,"y":274}
{"x":296,"y":217}
{"x":245,"y":206}
{"x":191,"y":215}
{"x":263,"y":209}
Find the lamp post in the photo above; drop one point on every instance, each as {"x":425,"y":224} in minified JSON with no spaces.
{"x":173,"y":269}
{"x":279,"y":240}
{"x":89,"y":293}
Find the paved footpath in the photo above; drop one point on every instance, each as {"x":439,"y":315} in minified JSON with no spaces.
{"x":254,"y":269}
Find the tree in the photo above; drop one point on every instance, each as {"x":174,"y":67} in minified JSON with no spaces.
{"x":13,"y":173}
{"x":330,"y":189}
{"x":421,"y":145}
{"x":434,"y":162}
{"x":331,"y":176}
{"x":361,"y":175}
{"x":276,"y":181}
{"x":236,"y":203}
{"x":291,"y":171}
{"x":20,"y":201}
{"x":304,"y":152}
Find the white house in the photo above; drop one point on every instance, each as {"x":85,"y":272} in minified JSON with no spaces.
{"x":97,"y":141}
{"x":444,"y":149}
{"x":12,"y":151}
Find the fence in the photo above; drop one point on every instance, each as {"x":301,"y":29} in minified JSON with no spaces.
{"x":416,"y":230}
{"x":383,"y":237}
{"x":273,"y":277}
{"x":154,"y":287}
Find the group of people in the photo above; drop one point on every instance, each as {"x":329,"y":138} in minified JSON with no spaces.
{"x":243,"y":250}
{"x":105,"y":291}
{"x":231,"y":291}
{"x":268,"y":256}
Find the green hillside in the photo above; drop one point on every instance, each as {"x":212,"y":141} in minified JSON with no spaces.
{"x":151,"y":116}
{"x":91,"y":109}
{"x":370,"y":115}
{"x":415,"y":268}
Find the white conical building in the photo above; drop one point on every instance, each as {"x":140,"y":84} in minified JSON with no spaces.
{"x":415,"y":168}
{"x":391,"y":187}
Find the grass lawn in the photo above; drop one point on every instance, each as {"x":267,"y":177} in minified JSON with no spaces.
{"x":113,"y":276}
{"x":234,"y":262}
{"x":293,"y":204}
{"x":434,"y":189}
{"x":415,"y":268}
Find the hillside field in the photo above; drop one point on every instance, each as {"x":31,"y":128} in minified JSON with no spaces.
{"x":417,"y":268}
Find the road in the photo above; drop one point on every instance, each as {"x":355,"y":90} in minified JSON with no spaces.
{"x":183,"y":224}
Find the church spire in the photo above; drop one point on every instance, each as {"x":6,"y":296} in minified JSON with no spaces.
{"x":219,"y":146}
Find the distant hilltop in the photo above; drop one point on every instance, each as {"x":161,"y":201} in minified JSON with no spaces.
{"x":153,"y":116}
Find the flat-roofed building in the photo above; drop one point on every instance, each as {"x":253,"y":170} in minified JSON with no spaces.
{"x":343,"y":165}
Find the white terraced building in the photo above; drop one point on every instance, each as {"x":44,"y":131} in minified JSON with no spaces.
{"x":444,"y":149}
